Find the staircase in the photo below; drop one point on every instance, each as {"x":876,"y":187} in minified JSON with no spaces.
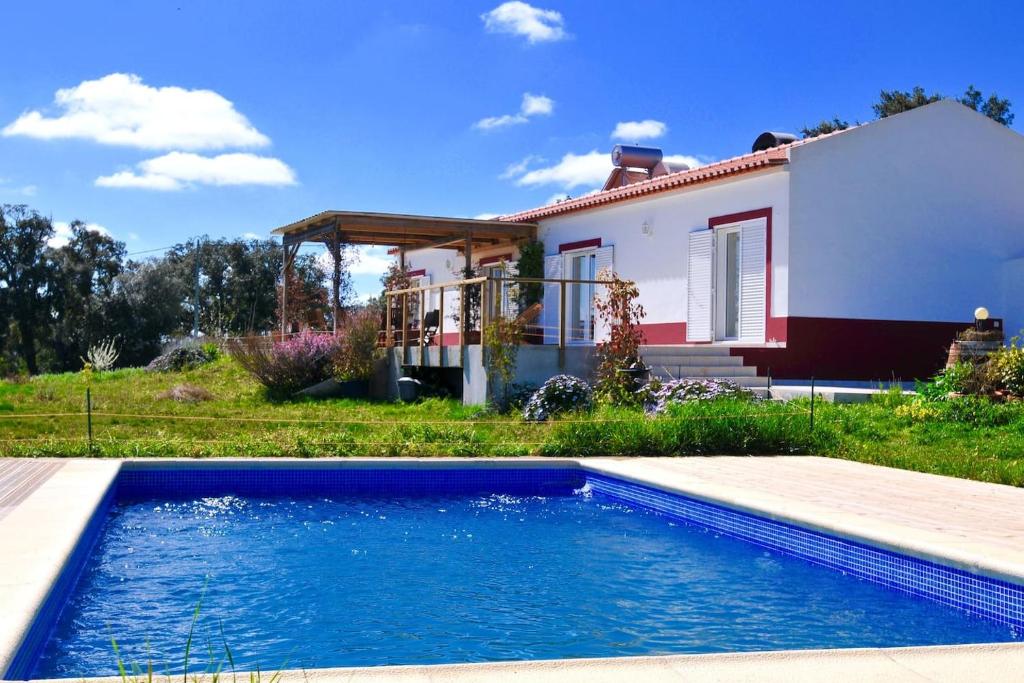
{"x":677,"y":362}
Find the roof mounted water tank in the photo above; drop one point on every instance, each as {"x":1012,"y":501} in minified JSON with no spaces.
{"x":629,"y":156}
{"x":770,"y":139}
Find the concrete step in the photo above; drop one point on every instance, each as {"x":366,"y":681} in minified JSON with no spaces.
{"x":689,"y":361}
{"x":722,"y":371}
{"x":676,"y":350}
{"x":745,"y":382}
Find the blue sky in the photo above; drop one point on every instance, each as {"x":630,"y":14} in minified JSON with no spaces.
{"x":225,"y":118}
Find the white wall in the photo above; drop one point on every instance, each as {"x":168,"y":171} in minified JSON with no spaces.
{"x":914,"y":217}
{"x":658,"y":263}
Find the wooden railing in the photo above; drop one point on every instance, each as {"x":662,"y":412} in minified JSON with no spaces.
{"x":398,"y":304}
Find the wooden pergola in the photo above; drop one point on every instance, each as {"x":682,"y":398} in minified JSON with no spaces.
{"x":404,"y":232}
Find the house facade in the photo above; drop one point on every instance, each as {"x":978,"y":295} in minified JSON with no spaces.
{"x":852,"y":256}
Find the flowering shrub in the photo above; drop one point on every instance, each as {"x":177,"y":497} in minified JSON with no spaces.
{"x":289,"y":366}
{"x":617,"y":308}
{"x":559,"y":394}
{"x":658,"y":397}
{"x":183,"y":358}
{"x":1007,"y":367}
{"x":357,"y":347}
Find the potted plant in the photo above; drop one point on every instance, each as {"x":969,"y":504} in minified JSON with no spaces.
{"x":974,"y":344}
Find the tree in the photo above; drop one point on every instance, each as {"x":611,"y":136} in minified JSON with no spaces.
{"x":308,"y":303}
{"x":24,"y":276}
{"x":81,"y":288}
{"x":996,"y":108}
{"x":897,"y":101}
{"x":147,"y":307}
{"x":825,"y":127}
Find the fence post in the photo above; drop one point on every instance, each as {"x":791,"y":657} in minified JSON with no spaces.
{"x":812,"y":404}
{"x":88,"y":415}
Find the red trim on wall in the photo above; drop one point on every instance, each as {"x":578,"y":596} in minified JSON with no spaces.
{"x":775,"y":329}
{"x":852,"y":349}
{"x":488,"y":260}
{"x":664,"y":333}
{"x":581,"y":244}
{"x":417,"y":273}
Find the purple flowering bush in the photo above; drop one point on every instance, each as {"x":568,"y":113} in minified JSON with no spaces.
{"x":288,"y":366}
{"x":560,"y":394}
{"x":657,"y":397}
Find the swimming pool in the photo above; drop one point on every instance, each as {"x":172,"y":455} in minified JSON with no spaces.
{"x":323,"y":567}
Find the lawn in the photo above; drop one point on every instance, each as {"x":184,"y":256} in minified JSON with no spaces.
{"x":45,"y":416}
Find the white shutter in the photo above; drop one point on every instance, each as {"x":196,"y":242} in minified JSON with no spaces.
{"x":700,"y":260}
{"x":752,"y":282}
{"x":604,"y":263}
{"x":430,"y":302}
{"x":550,"y":315}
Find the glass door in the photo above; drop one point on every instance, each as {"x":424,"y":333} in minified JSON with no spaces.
{"x":727,"y":299}
{"x":581,"y":298}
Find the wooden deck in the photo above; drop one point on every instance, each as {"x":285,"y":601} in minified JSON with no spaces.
{"x":20,"y":477}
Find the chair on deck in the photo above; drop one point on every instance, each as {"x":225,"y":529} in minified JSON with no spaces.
{"x":431,"y":321}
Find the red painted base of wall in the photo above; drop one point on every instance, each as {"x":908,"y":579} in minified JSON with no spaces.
{"x":850,"y":349}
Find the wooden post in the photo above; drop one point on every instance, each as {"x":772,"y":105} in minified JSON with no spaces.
{"x":423,"y":328}
{"x":290,"y":251}
{"x":405,"y":327}
{"x":467,"y":273}
{"x":440,"y":326}
{"x":335,"y":246}
{"x":484,"y":287}
{"x":389,"y":338}
{"x":462,"y":324}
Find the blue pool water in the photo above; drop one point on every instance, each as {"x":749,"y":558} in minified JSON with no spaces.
{"x":333,"y":578}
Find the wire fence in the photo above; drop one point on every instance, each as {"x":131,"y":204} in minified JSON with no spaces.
{"x":122,"y":430}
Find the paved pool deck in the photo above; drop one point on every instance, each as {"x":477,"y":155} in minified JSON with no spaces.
{"x":46,"y":504}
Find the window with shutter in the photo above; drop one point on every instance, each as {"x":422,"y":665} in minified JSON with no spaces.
{"x":550,"y":314}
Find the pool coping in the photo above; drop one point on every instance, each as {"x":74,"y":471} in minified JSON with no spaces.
{"x":60,"y":509}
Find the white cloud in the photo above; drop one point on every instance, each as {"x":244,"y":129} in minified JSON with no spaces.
{"x":574,"y":170}
{"x":556,"y":198}
{"x":486,"y":216}
{"x":251,"y":236}
{"x":119,"y":109}
{"x":370,"y":260}
{"x":177,"y":170}
{"x":518,"y":18}
{"x":648,"y":129}
{"x":24,"y":190}
{"x":577,"y":170}
{"x":62,"y":233}
{"x":133,"y":236}
{"x":519,"y":167}
{"x":691,"y":161}
{"x":532,"y":105}
{"x":536,"y":105}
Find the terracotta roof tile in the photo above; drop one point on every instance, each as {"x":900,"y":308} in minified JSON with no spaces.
{"x":755,"y":161}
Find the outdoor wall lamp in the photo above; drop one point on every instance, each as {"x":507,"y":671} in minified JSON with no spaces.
{"x":646,"y":230}
{"x":980,"y":315}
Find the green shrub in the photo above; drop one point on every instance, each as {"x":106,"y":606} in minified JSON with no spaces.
{"x":959,"y":378}
{"x":725,"y":426}
{"x":1007,"y":367}
{"x":560,"y":394}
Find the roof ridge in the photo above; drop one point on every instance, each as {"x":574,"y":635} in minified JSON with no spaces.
{"x":773,"y":156}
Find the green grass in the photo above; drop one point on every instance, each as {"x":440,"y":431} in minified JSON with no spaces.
{"x":965,"y":439}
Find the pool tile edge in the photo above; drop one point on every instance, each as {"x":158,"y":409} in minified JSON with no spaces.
{"x":43,"y":532}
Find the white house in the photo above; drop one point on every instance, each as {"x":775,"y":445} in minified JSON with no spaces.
{"x":856,"y":255}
